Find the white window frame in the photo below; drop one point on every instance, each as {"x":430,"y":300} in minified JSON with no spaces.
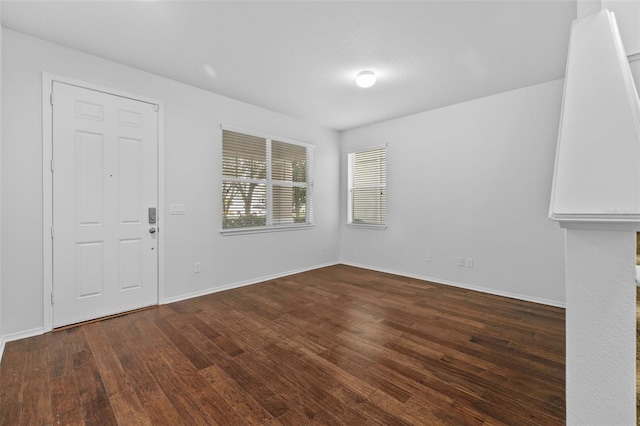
{"x":350,"y":222}
{"x":270,"y":183}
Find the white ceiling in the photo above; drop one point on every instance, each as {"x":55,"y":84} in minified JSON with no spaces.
{"x":300,"y":58}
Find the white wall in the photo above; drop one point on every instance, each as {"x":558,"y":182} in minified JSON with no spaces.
{"x":469,"y":180}
{"x":1,"y":338}
{"x":192,"y":176}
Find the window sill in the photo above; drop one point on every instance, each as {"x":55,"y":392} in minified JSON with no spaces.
{"x":367,"y":226}
{"x":265,"y":229}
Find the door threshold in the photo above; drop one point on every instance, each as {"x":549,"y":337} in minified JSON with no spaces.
{"x":119,"y":314}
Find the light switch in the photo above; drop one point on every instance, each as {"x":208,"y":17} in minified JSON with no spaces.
{"x":177,"y":209}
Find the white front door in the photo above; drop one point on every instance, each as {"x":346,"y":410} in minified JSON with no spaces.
{"x":105,"y":181}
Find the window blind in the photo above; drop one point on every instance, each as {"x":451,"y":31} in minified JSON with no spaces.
{"x":265,"y":182}
{"x":368,"y":187}
{"x":243,"y":156}
{"x":289,"y":177}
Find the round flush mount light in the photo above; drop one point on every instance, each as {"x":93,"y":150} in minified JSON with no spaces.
{"x":366,"y":79}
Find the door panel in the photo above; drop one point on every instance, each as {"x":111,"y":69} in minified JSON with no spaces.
{"x":89,"y":274}
{"x":105,"y":178}
{"x":130,"y":264}
{"x":130,"y":182}
{"x":89,"y":184}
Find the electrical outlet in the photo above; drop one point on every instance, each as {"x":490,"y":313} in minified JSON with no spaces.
{"x":468,"y":262}
{"x":197,"y":267}
{"x":461,"y":261}
{"x":427,"y":258}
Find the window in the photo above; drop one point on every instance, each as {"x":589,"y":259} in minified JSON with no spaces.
{"x":266,"y":183}
{"x":368,"y":187}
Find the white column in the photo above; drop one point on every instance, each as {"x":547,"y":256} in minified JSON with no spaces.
{"x":596,"y":197}
{"x":628,"y":16}
{"x":600,"y":326}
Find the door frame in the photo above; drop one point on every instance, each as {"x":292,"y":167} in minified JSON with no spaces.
{"x":47,"y":185}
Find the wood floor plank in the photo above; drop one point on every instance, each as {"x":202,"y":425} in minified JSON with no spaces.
{"x":286,"y":375}
{"x":12,"y":374}
{"x":37,"y":407}
{"x":127,"y":346}
{"x":243,"y":403}
{"x":312,"y":382}
{"x":192,"y":353}
{"x":165,"y":362}
{"x":251,"y":382}
{"x":548,"y":371}
{"x":124,"y":400}
{"x":308,"y":400}
{"x":65,"y":401}
{"x":336,"y":345}
{"x":94,"y":400}
{"x":473,"y":384}
{"x":258,"y":389}
{"x":210,"y":401}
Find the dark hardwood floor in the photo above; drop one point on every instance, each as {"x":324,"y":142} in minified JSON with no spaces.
{"x":337,"y":345}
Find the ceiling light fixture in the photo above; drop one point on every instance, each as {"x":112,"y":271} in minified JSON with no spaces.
{"x":366,"y":79}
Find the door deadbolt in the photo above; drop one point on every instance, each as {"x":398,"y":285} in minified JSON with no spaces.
{"x":152,"y":215}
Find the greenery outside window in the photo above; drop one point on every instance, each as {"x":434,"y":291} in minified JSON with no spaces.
{"x":367,"y":179}
{"x":266,"y":182}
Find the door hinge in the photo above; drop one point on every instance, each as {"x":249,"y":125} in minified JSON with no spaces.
{"x":52,"y":298}
{"x":52,"y":232}
{"x":51,"y":98}
{"x":51,"y":166}
{"x":156,"y":107}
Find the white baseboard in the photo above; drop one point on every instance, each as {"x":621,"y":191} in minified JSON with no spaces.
{"x":243,"y":283}
{"x":37,"y":331}
{"x":17,"y":336}
{"x":40,"y":330}
{"x":460,"y":285}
